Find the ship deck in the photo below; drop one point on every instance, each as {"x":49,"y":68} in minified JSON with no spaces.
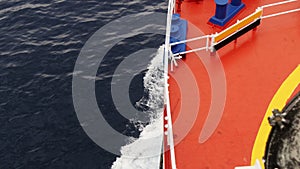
{"x":218,"y":102}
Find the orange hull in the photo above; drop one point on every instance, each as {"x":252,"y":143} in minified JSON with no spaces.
{"x":254,"y":67}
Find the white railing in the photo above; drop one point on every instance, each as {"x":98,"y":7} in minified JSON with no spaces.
{"x":279,"y":13}
{"x":175,"y":56}
{"x":278,"y":3}
{"x":206,"y":47}
{"x":189,"y":40}
{"x":170,"y":141}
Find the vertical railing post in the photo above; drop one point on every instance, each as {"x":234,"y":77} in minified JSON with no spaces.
{"x":207,"y":43}
{"x":212,"y":43}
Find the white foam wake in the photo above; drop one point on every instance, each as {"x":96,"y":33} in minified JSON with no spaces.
{"x":145,"y":152}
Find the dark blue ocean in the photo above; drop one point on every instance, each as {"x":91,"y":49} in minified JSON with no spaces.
{"x":40,"y":41}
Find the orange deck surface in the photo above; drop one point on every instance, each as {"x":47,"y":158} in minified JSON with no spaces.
{"x":255,"y":67}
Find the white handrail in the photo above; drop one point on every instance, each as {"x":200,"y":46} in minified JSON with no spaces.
{"x":189,"y":40}
{"x":278,"y":3}
{"x":206,"y":47}
{"x":190,"y":51}
{"x":171,"y":8}
{"x":280,"y":13}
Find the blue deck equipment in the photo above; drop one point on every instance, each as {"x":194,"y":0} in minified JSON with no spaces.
{"x":226,"y":11}
{"x":178,"y":33}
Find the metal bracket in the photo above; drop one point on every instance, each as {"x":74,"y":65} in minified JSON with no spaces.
{"x":278,"y":118}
